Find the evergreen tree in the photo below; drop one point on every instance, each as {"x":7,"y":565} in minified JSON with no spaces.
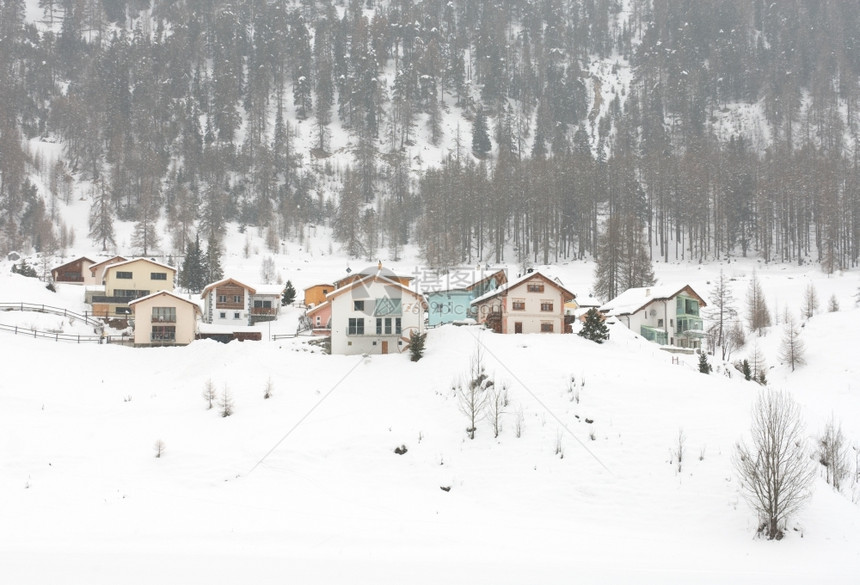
{"x":289,"y":294}
{"x":416,"y":345}
{"x":101,"y":217}
{"x":481,"y":145}
{"x":192,"y":276}
{"x":594,"y":328}
{"x":704,"y":366}
{"x":746,"y":369}
{"x":212,"y":262}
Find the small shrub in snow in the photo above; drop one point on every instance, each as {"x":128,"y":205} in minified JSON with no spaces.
{"x":833,"y":304}
{"x":704,"y":366}
{"x":270,"y":389}
{"x":209,"y":394}
{"x":518,"y":424}
{"x":559,"y":444}
{"x":401,"y":449}
{"x":159,"y":448}
{"x":679,"y":448}
{"x":225,"y":403}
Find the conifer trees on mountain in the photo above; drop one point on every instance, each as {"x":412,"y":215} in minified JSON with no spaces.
{"x":233,"y":104}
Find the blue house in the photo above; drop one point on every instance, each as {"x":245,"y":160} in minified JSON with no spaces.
{"x":449,"y":306}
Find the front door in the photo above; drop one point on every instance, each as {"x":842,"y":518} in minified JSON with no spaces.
{"x":518,"y":327}
{"x":384,"y":347}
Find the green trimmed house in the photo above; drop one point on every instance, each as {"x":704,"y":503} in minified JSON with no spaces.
{"x":667,"y":315}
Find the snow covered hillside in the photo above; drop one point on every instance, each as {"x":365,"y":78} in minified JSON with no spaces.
{"x":306,"y":486}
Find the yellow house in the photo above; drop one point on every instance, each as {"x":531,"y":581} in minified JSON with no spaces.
{"x":164,"y":318}
{"x":129,"y":280}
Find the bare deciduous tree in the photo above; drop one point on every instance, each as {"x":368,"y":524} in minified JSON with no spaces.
{"x":159,"y":448}
{"x":209,"y":394}
{"x":810,"y":301}
{"x":792,"y":348}
{"x":473,"y":396}
{"x":758,"y":316}
{"x":832,"y":454}
{"x":270,"y":389}
{"x":497,"y":401}
{"x":225,"y":402}
{"x":774,"y":471}
{"x":723,"y":316}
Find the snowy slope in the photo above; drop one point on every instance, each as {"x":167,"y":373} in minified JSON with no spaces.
{"x":306,"y":486}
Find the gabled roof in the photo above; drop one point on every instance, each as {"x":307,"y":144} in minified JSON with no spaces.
{"x":517,"y":281}
{"x":635,"y":299}
{"x":126,"y":262}
{"x":113,"y":260}
{"x":72,"y":262}
{"x":317,"y":308}
{"x":378,"y":276}
{"x":500,"y":275}
{"x":164,"y":292}
{"x":224,"y":281}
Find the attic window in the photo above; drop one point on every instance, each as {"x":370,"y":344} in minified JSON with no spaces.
{"x":535,"y":287}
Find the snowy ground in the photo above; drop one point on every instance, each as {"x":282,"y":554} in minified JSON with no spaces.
{"x":306,"y":486}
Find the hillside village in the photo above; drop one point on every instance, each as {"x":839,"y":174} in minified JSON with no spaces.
{"x":373,"y":311}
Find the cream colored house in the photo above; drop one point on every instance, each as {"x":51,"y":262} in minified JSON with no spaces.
{"x":129,"y":280}
{"x":164,"y":318}
{"x":532,"y":303}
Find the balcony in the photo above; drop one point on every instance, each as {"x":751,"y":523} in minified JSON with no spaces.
{"x":689,"y":326}
{"x":653,"y":334}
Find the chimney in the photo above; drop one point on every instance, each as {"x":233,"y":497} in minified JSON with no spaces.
{"x":647,"y":292}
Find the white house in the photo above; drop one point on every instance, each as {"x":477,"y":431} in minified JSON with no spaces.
{"x":374,"y":313}
{"x":532,"y":303}
{"x":667,"y":314}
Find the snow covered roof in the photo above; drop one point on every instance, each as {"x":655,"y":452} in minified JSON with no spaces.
{"x":125,"y":262}
{"x":163,"y":292}
{"x":635,"y":299}
{"x":519,"y":280}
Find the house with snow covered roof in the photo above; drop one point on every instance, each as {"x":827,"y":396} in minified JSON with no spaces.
{"x":75,"y":272}
{"x":532,"y":303}
{"x":163,"y":318}
{"x":373,"y":312}
{"x":667,"y":314}
{"x":129,"y":280}
{"x":230,"y":302}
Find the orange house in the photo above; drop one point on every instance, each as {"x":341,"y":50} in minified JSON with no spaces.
{"x":315,"y":295}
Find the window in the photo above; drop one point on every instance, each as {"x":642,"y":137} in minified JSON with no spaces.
{"x":659,"y":322}
{"x":319,"y":321}
{"x":379,"y":326}
{"x":163,"y":333}
{"x":123,"y":275}
{"x":262,"y":304}
{"x":387,"y":306}
{"x":356,"y":327}
{"x":122,"y":311}
{"x":546,"y":327}
{"x":222,"y":298}
{"x":518,"y":305}
{"x":237,"y":298}
{"x":546,"y":306}
{"x":127,"y":293}
{"x":222,"y":315}
{"x":357,"y":305}
{"x":164,"y":314}
{"x":535,"y":287}
{"x":158,"y":276}
{"x":237,"y":315}
{"x":397,"y":328}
